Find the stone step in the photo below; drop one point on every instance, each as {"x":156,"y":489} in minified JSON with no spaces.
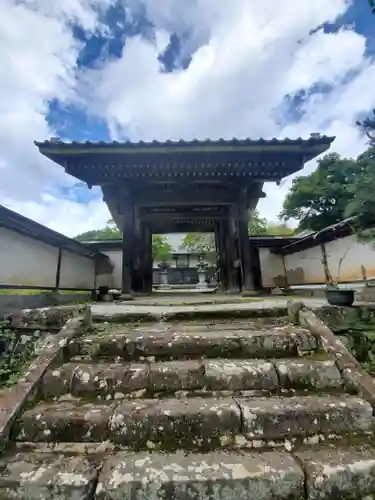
{"x":194,"y":326}
{"x":315,"y":474}
{"x":195,"y":423}
{"x":273,"y":343}
{"x":123,"y":314}
{"x":47,"y":476}
{"x":116,"y":381}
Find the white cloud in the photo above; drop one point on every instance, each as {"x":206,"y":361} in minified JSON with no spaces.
{"x":38,"y":64}
{"x":247,"y":56}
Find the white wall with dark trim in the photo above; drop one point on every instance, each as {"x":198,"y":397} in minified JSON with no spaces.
{"x":28,"y":262}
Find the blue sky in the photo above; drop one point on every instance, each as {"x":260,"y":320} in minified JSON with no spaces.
{"x":140,"y":69}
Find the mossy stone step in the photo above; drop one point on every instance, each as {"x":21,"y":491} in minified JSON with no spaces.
{"x":194,"y":326}
{"x":273,"y":343}
{"x":194,"y":423}
{"x":116,"y":381}
{"x":320,"y":473}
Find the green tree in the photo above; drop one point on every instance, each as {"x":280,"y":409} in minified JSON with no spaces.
{"x":257,"y":224}
{"x":161,"y":248}
{"x":204,"y":243}
{"x":362,"y":205}
{"x":109,"y":232}
{"x":199,"y":243}
{"x":368,"y":127}
{"x":372,"y":5}
{"x":321,"y":198}
{"x":275,"y":229}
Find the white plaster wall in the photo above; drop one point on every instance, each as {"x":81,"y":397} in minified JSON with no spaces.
{"x":112,"y":280}
{"x":355,"y":253}
{"x":272,"y":268}
{"x":25,"y":261}
{"x":77,"y":271}
{"x":305,"y":267}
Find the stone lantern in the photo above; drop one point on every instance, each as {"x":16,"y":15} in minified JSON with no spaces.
{"x":202,"y":274}
{"x":164,"y":285}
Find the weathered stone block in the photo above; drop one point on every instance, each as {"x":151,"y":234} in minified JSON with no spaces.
{"x":33,"y":476}
{"x":64,"y":422}
{"x":308,"y":373}
{"x":304,"y":340}
{"x":104,"y":380}
{"x":339,"y":473}
{"x":279,"y":418}
{"x":240,"y":375}
{"x":177,"y":375}
{"x":213,"y":476}
{"x":100,"y":380}
{"x":266,"y":344}
{"x":46,"y":318}
{"x":95,"y":346}
{"x":173,"y":424}
{"x":56,"y":381}
{"x":169,"y":345}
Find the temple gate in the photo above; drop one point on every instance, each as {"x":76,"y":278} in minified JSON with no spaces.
{"x":178,"y":187}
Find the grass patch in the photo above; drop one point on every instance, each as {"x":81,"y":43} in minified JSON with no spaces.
{"x":16,"y":291}
{"x":17,"y":351}
{"x":31,"y":291}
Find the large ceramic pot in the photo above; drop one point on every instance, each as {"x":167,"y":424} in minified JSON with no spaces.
{"x":340,"y":297}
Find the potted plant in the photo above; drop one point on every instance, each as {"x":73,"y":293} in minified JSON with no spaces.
{"x":335,"y":295}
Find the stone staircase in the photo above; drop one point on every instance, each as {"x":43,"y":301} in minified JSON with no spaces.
{"x":248,"y":408}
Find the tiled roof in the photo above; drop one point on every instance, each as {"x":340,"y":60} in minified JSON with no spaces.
{"x":314,"y":139}
{"x":307,"y":239}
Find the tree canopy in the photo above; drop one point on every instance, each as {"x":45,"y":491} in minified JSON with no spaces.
{"x":205,"y":242}
{"x":339,"y":188}
{"x":161,"y":248}
{"x":372,"y":5}
{"x":321,"y":198}
{"x":109,"y":232}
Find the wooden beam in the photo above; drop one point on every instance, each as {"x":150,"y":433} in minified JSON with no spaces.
{"x":181,"y":228}
{"x":182,"y":218}
{"x":196,"y":195}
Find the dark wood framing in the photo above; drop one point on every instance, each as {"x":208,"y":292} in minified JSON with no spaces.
{"x":205,"y":186}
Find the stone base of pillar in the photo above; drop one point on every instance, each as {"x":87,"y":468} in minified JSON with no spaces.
{"x":164,"y":286}
{"x":126,"y":297}
{"x":201,"y":286}
{"x":249,"y":292}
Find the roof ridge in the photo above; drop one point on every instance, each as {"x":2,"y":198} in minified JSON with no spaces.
{"x":313,"y":139}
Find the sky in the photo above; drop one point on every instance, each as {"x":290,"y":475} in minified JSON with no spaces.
{"x":172,"y":69}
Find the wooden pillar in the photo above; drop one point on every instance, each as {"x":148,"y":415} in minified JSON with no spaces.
{"x":147,"y":269}
{"x":244,"y":249}
{"x":223,"y":255}
{"x":127,"y":251}
{"x":226,"y":251}
{"x":58,"y":270}
{"x":219,"y":255}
